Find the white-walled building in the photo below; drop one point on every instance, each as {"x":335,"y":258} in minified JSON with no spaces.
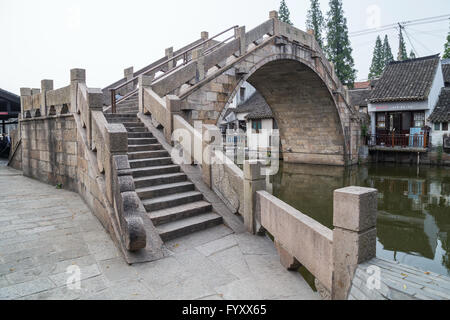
{"x":402,"y":101}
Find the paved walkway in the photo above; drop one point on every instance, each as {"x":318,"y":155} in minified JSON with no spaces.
{"x":43,"y":231}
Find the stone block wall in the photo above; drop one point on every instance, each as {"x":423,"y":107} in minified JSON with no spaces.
{"x":49,"y":146}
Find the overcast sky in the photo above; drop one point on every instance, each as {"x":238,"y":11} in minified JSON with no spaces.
{"x":44,"y":39}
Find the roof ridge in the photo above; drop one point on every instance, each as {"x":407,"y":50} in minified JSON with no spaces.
{"x":416,"y":59}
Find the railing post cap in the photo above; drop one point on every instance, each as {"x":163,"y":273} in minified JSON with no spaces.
{"x":25,"y":92}
{"x":128,"y":71}
{"x":35,"y":91}
{"x":78,"y":75}
{"x":145,"y":81}
{"x":46,"y":85}
{"x":355,"y":208}
{"x":204,"y":35}
{"x":273,"y":14}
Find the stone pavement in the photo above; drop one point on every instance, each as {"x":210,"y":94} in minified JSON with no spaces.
{"x":44,"y":230}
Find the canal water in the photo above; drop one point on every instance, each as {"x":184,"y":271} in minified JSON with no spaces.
{"x":414,"y":206}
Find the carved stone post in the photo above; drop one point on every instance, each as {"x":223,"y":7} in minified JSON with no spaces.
{"x":174,"y":107}
{"x":354,"y":235}
{"x":169,"y":55}
{"x":253,"y":181}
{"x":24,"y":106}
{"x":46,"y":85}
{"x":276,"y":23}
{"x":128,"y":73}
{"x":76,"y":76}
{"x":197,"y":55}
{"x":144,"y":82}
{"x":95,"y":103}
{"x":239,"y":33}
{"x":211,"y":139}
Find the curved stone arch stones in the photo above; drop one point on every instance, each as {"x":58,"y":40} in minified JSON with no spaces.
{"x":326,"y":128}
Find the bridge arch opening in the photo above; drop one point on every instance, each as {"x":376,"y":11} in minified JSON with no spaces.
{"x":306,"y":114}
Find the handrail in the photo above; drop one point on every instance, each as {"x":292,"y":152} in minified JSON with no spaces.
{"x":183,"y":54}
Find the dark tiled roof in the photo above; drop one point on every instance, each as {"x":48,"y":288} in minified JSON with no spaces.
{"x":408,"y":80}
{"x":257,"y":108}
{"x":359,"y":97}
{"x":442,"y":111}
{"x":9,"y":96}
{"x":446,"y":72}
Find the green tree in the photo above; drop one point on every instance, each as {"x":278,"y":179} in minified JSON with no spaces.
{"x":284,"y":14}
{"x":378,"y":64}
{"x":315,"y":21}
{"x":412,"y":55}
{"x":402,"y":54}
{"x":338,"y":48}
{"x":447,"y":48}
{"x":387,"y":51}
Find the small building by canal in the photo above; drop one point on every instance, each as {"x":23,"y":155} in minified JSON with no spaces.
{"x":402,"y":108}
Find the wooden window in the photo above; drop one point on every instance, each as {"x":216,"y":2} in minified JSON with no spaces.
{"x":381,"y":121}
{"x":257,"y":125}
{"x":419,"y":120}
{"x":437,"y":126}
{"x":444,"y":126}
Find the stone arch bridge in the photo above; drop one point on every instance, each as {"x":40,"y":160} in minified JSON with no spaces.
{"x":286,"y":65}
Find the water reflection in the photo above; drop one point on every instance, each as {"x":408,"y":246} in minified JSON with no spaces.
{"x":414,"y":206}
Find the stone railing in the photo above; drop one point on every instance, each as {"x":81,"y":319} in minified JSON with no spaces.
{"x":332,"y":256}
{"x":68,"y":141}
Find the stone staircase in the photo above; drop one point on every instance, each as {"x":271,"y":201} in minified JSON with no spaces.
{"x":129,"y":106}
{"x":174,"y":205}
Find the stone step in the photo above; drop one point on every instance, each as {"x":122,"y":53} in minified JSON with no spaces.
{"x":137,"y":129}
{"x":147,"y":154}
{"x":141,"y":141}
{"x":177,"y":229}
{"x":140,"y":135}
{"x":150,"y":162}
{"x":159,"y":179}
{"x":172,"y":200}
{"x":180,"y":212}
{"x":165,"y":189}
{"x":154,"y":171}
{"x":119,"y":115}
{"x":144,"y":147}
{"x":130,"y":124}
{"x":120,"y":120}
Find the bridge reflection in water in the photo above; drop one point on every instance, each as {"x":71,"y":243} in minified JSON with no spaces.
{"x":414,"y":207}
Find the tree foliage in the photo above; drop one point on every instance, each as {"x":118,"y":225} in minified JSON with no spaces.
{"x":315,"y":21}
{"x":402,"y":53}
{"x":378,"y":62}
{"x":338,"y":48}
{"x":284,"y":13}
{"x":387,"y":51}
{"x":447,"y":48}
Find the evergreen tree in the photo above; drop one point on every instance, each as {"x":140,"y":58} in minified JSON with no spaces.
{"x":447,"y":48}
{"x":377,"y":67}
{"x":412,"y":55}
{"x":315,"y":21}
{"x":402,"y":54}
{"x":387,"y":51}
{"x":284,"y":14}
{"x":338,"y":46}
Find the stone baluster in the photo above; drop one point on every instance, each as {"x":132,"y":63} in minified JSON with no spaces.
{"x":173,"y":104}
{"x":276,"y":22}
{"x":46,"y":85}
{"x":254,"y":181}
{"x":128,"y":73}
{"x":354,"y":235}
{"x":212,"y":139}
{"x":239,"y":33}
{"x":197,"y":55}
{"x":169,"y":55}
{"x":95,"y":103}
{"x":144,"y":82}
{"x":24,"y":105}
{"x":76,"y":76}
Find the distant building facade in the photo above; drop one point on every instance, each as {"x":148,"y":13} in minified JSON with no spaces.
{"x":9,"y":111}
